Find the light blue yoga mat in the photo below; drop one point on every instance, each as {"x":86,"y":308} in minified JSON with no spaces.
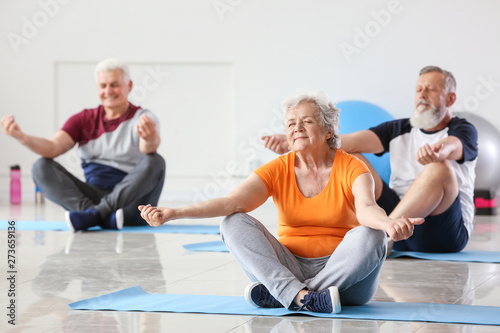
{"x":465,"y":256}
{"x":166,"y":228}
{"x":215,"y":246}
{"x":136,"y":299}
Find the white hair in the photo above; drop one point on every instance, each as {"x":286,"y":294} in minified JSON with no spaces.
{"x":328,"y":114}
{"x":111,"y":64}
{"x":450,"y":84}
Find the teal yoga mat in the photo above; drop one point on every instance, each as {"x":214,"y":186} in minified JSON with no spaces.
{"x":136,"y":299}
{"x":465,"y":256}
{"x":166,"y":228}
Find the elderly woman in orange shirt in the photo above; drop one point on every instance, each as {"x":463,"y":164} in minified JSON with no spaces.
{"x":332,"y":234}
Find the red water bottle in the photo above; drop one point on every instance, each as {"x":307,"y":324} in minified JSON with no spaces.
{"x":15,"y":184}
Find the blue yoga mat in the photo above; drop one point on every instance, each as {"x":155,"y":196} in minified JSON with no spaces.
{"x":215,"y":246}
{"x":136,"y":299}
{"x":465,"y":256}
{"x":166,"y":228}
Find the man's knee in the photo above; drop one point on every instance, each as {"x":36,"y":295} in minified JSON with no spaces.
{"x":40,"y":167}
{"x":439,"y":172}
{"x":153,"y":163}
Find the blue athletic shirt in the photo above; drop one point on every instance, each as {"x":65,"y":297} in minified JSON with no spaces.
{"x":403,"y":141}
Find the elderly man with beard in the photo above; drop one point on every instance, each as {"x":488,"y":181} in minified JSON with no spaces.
{"x":432,"y":156}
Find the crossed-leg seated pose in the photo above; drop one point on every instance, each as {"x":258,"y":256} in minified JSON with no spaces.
{"x":432,"y":158}
{"x":331,"y":243}
{"x":117,"y":144}
{"x":110,"y":207}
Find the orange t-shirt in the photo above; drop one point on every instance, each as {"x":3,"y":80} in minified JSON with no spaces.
{"x":313,"y":227}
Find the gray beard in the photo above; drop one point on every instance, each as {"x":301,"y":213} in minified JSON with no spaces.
{"x":428,"y":119}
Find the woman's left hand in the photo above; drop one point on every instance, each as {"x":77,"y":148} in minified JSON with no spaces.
{"x":402,"y":228}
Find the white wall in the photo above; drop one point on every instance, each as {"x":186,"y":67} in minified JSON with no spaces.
{"x":223,"y":67}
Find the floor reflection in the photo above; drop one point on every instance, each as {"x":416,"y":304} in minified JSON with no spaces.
{"x":91,"y":264}
{"x":291,"y":324}
{"x":408,"y":280}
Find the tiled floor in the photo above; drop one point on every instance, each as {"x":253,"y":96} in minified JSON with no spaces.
{"x":57,"y":268}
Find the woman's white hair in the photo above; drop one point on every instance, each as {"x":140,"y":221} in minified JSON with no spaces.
{"x":111,"y":64}
{"x":328,"y":114}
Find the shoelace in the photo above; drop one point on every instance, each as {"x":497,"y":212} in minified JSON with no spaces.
{"x":316,"y":301}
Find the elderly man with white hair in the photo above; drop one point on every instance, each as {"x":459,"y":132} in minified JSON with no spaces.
{"x":117,"y":144}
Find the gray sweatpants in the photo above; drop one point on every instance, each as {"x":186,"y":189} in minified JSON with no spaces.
{"x":353,"y":267}
{"x":142,"y":185}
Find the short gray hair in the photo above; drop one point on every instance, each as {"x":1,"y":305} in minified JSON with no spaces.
{"x":328,"y":114}
{"x":450,"y":84}
{"x":111,"y":64}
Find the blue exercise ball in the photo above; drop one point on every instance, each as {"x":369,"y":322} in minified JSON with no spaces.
{"x":488,"y":158}
{"x":359,"y":115}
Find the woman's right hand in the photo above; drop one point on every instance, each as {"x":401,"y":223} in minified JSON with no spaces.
{"x":276,"y":143}
{"x":156,"y":216}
